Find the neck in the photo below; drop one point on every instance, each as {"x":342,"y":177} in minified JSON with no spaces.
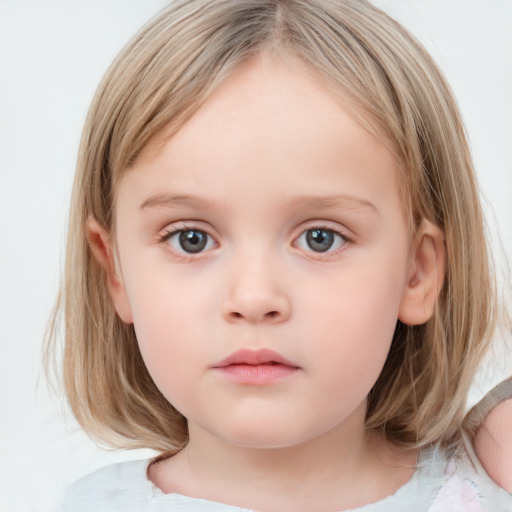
{"x":346,"y":467}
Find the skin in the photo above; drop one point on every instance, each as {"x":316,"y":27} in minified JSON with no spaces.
{"x":268,"y":157}
{"x":493,"y":444}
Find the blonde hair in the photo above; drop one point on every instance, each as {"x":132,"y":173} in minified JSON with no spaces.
{"x":390,"y":83}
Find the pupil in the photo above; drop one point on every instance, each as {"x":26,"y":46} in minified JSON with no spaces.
{"x":320,"y":240}
{"x":193,"y":241}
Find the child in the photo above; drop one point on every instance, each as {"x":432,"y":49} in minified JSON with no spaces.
{"x":277,"y":272}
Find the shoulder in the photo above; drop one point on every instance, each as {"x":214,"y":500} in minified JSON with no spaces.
{"x":467,"y":487}
{"x":491,"y":425}
{"x":493,"y":444}
{"x":119,"y":487}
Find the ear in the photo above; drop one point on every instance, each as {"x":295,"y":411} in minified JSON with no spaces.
{"x":425,"y":275}
{"x":101,"y":246}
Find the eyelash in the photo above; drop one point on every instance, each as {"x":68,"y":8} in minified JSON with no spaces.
{"x":172,"y":231}
{"x":169,"y":234}
{"x":345,"y":241}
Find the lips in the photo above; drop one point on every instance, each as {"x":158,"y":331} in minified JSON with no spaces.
{"x":254,"y":358}
{"x":256,"y":367}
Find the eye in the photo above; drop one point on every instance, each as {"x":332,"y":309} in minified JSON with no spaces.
{"x":189,"y":241}
{"x":320,"y":240}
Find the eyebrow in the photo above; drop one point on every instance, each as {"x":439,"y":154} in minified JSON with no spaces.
{"x":299,"y":203}
{"x":344,"y":201}
{"x":169,"y":200}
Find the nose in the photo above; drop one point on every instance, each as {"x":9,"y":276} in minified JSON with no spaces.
{"x":255,"y":294}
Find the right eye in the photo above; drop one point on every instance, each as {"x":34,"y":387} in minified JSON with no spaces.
{"x":189,"y":241}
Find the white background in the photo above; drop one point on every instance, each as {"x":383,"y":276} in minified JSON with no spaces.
{"x":52,"y":56}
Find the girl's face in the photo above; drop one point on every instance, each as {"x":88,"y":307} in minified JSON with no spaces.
{"x":271,"y":220}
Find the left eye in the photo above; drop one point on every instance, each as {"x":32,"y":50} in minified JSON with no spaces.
{"x":190,"y":241}
{"x":320,"y":240}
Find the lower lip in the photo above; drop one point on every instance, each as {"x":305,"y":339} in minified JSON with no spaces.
{"x":256,"y":375}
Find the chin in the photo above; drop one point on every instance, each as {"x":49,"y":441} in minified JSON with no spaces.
{"x":265,"y":435}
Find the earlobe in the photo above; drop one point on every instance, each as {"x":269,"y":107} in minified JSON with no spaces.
{"x":425,"y":275}
{"x":101,"y":247}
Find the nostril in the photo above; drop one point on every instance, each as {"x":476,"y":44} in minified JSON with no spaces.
{"x":270,"y":315}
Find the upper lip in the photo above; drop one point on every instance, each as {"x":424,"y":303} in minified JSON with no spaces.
{"x":254,"y":357}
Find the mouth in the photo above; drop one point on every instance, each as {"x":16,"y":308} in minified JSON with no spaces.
{"x":256,"y":367}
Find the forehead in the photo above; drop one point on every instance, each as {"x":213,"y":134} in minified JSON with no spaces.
{"x":276,"y":122}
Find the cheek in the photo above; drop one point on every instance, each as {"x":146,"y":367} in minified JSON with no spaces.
{"x":358,"y":339}
{"x":172,"y":315}
{"x":356,"y":316}
{"x":164,"y":302}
